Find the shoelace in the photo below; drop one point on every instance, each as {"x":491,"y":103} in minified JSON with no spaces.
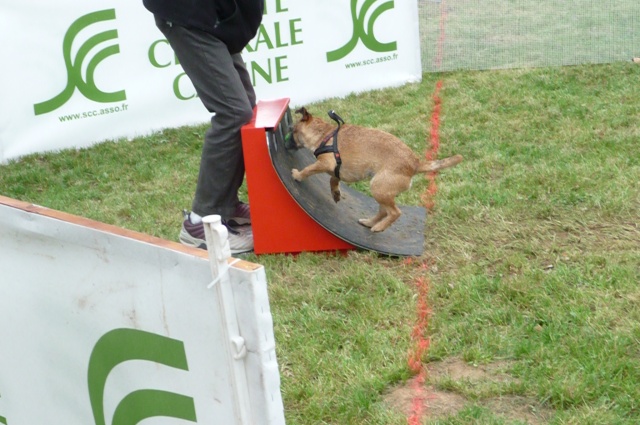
{"x":230,"y":229}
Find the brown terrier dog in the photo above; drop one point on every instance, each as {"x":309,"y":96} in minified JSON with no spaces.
{"x":363,"y":153}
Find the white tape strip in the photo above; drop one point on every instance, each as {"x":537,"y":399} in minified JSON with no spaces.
{"x":222,"y":273}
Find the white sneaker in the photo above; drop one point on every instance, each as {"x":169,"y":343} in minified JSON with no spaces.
{"x":240,"y":239}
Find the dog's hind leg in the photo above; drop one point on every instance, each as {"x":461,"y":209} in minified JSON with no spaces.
{"x":370,"y":222}
{"x":392,"y":213}
{"x":384,"y":189}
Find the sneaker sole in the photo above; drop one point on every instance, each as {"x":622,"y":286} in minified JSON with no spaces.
{"x":241,"y":251}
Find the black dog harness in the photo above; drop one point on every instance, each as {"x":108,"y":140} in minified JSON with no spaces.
{"x":323,"y":148}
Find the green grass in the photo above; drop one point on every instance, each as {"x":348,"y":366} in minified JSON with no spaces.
{"x":534,"y":246}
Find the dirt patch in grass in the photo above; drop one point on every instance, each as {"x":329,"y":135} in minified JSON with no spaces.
{"x":435,"y":403}
{"x":438,"y":403}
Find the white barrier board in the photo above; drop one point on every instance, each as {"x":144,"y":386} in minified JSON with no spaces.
{"x":105,"y":328}
{"x":77,"y":73}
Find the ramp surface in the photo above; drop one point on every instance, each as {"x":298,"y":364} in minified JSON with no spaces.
{"x":404,"y":238}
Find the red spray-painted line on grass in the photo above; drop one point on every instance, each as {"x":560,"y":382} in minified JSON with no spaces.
{"x":421,"y":340}
{"x":432,"y":153}
{"x":421,"y":346}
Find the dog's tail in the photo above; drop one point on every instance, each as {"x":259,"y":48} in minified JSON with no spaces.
{"x":430,"y":166}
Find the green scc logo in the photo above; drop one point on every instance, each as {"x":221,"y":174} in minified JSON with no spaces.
{"x":86,"y":86}
{"x":121,"y":345}
{"x":364,"y":30}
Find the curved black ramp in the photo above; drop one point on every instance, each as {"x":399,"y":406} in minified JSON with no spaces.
{"x":404,"y":238}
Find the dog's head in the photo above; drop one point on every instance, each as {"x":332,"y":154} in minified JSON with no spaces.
{"x":306,"y":116}
{"x":308,"y":130}
{"x":296,"y":132}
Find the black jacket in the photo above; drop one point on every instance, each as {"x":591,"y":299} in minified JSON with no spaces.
{"x":235,"y":22}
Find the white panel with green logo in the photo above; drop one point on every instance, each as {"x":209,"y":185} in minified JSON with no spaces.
{"x":109,"y":327}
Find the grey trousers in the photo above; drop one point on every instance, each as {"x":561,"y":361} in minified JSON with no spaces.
{"x":224,"y":86}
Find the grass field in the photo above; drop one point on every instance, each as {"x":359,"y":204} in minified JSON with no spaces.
{"x":533,"y":252}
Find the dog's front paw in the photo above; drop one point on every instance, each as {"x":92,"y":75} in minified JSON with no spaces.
{"x":297,"y":176}
{"x":336,"y":196}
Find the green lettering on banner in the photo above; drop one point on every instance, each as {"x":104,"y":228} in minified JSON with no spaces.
{"x":176,"y":88}
{"x":279,"y":42}
{"x":74,"y":65}
{"x":279,"y":7}
{"x":153,"y":57}
{"x":279,"y":68}
{"x":284,"y":34}
{"x":274,"y":66}
{"x":295,"y":30}
{"x":365,"y":34}
{"x":121,"y":345}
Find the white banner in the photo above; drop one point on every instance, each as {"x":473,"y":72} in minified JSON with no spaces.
{"x":105,"y":328}
{"x":76,"y":73}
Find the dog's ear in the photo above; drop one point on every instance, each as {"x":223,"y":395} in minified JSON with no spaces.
{"x":306,"y":116}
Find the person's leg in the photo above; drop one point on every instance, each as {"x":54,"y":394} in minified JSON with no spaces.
{"x":245,"y":78}
{"x":224,"y":87}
